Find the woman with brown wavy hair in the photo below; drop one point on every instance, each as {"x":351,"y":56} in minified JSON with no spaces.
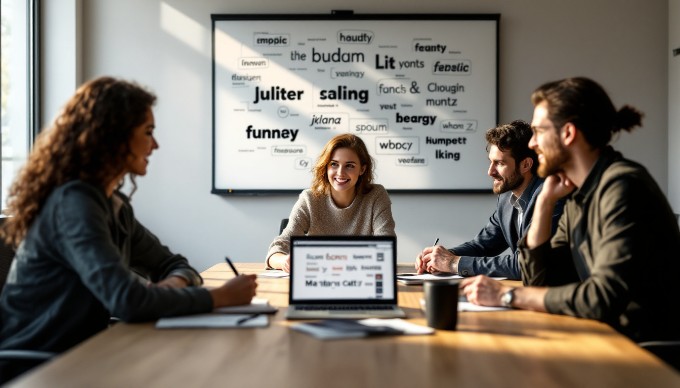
{"x":78,"y":240}
{"x":343,"y":200}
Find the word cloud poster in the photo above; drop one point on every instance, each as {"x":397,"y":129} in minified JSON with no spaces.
{"x":420,"y":90}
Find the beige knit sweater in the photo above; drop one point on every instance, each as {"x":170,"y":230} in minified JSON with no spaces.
{"x":369,"y":214}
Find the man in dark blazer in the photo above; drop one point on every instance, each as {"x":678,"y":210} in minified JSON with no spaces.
{"x":513,"y":169}
{"x":614,"y":256}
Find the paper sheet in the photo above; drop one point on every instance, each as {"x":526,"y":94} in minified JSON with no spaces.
{"x":416,"y":279}
{"x":273,"y":273}
{"x":203,"y":321}
{"x":467,"y":306}
{"x":464,"y":305}
{"x":407,"y":327}
{"x":426,"y":276}
{"x":249,"y":315}
{"x":257,"y":305}
{"x":324,"y":331}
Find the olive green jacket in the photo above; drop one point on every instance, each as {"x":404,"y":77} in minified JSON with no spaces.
{"x":616,"y":254}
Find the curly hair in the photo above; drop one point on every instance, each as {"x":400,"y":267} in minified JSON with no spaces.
{"x":320,"y":184}
{"x":88,"y":141}
{"x":513,"y":137}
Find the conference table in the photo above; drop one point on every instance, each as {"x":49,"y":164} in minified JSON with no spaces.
{"x":509,"y":348}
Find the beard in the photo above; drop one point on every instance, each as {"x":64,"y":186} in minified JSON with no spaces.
{"x":509,"y":183}
{"x":555,"y":156}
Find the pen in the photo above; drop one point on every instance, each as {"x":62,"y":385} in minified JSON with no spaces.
{"x":422,"y":263}
{"x":226,"y":258}
{"x":434,"y":245}
{"x":246,"y":319}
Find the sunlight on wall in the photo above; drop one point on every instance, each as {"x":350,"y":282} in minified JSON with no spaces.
{"x":184,"y":28}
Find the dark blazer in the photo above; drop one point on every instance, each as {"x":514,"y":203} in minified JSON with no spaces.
{"x":483,"y":254}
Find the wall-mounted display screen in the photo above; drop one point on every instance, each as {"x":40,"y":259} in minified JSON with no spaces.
{"x":420,"y":90}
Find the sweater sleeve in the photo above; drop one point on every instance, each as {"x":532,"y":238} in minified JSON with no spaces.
{"x":85,"y":241}
{"x":148,"y":254}
{"x":383,"y":223}
{"x":298,"y":225}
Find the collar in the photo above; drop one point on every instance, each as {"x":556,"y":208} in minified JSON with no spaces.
{"x":334,"y":205}
{"x":521,"y":202}
{"x":607,"y":157}
{"x":117,"y":203}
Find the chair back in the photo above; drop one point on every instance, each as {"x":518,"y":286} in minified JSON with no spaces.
{"x":14,"y":362}
{"x":6,"y":257}
{"x":284,"y":223}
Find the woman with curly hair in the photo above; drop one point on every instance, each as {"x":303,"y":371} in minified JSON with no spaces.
{"x":77,"y":238}
{"x":343,"y":200}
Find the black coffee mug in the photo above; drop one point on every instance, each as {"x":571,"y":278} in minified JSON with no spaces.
{"x":441,"y":304}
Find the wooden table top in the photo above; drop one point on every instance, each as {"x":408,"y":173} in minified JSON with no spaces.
{"x":489,"y":349}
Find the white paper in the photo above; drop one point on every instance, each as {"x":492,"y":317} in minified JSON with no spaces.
{"x":273,"y":273}
{"x":200,"y":321}
{"x":257,"y":305}
{"x":328,"y":333}
{"x":426,"y":276}
{"x":467,"y":306}
{"x":415,"y":279}
{"x":406,"y":327}
{"x":429,"y":276}
{"x":412,"y":279}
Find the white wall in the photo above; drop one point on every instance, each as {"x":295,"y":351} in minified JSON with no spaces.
{"x":61,"y":53}
{"x":166,"y":45}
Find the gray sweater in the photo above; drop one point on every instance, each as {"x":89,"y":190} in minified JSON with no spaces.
{"x":369,"y":214}
{"x":73,"y":271}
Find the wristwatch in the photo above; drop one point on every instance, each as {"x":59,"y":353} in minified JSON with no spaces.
{"x":508,"y":297}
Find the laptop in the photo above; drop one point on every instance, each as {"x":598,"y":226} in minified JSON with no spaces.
{"x":343,"y":277}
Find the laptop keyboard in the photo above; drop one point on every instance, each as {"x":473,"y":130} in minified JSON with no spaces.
{"x":351,"y":307}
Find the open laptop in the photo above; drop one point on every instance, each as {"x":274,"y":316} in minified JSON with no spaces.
{"x":343,"y":277}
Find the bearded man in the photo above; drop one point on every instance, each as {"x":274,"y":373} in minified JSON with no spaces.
{"x":512,"y":166}
{"x":614,"y":257}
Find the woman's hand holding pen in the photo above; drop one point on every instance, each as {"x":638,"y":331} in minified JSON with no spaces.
{"x":237,"y":291}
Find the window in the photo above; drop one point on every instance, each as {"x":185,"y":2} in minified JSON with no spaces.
{"x":17,"y":77}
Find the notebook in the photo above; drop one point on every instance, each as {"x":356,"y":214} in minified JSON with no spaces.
{"x":343,"y":277}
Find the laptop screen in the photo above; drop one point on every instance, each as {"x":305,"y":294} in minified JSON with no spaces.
{"x":343,"y":269}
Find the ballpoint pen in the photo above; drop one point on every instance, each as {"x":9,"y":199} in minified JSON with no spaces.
{"x":435,"y":243}
{"x":226,"y":258}
{"x":248,"y":318}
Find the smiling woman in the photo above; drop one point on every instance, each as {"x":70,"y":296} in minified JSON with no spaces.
{"x":343,"y":200}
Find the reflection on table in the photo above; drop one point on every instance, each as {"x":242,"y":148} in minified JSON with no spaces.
{"x":489,"y":349}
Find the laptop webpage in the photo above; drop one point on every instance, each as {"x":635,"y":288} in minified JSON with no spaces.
{"x":347,"y":270}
